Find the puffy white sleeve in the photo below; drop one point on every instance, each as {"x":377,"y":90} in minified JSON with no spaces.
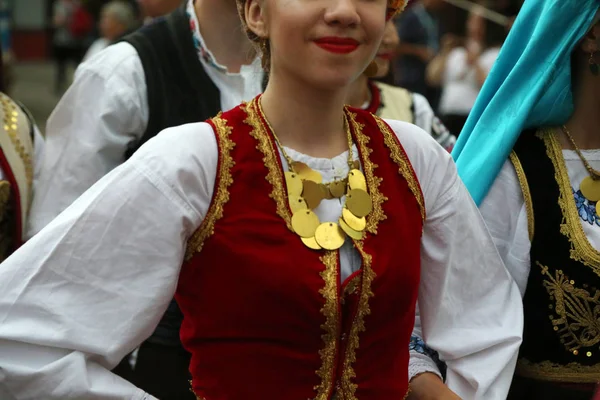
{"x":93,"y":284}
{"x":470,"y":307}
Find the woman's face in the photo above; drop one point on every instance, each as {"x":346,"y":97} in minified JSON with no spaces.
{"x":326,"y":43}
{"x":110,"y":27}
{"x":387,"y":50}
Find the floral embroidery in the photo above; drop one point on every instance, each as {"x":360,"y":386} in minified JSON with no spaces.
{"x":417,"y":344}
{"x":587,"y":209}
{"x":201,"y":49}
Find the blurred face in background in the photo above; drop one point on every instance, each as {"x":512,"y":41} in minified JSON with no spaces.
{"x":158,"y":8}
{"x":387,"y":50}
{"x":110,"y":26}
{"x":476,"y":26}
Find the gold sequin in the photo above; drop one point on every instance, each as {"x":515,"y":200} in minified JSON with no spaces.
{"x":221,"y":195}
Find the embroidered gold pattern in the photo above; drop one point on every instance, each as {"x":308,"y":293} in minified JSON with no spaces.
{"x":403,"y":163}
{"x":576,"y":311}
{"x":275,"y":175}
{"x":581,"y":249}
{"x":358,"y":325}
{"x":331,"y":325}
{"x":373,"y":181}
{"x":548,"y":371}
{"x":11,"y":127}
{"x":526,"y":193}
{"x":221,"y":195}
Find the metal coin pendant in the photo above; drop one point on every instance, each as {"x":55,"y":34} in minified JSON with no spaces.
{"x":312,"y":194}
{"x":293,"y":184}
{"x":359,"y":202}
{"x":357,"y":180}
{"x":358,"y":224}
{"x":590,"y":189}
{"x":337,"y":189}
{"x":305,"y":223}
{"x":311,"y":243}
{"x":349,"y":231}
{"x":330,"y":236}
{"x":306,"y":172}
{"x":297,"y":203}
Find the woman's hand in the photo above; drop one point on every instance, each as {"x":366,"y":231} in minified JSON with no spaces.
{"x":429,"y":386}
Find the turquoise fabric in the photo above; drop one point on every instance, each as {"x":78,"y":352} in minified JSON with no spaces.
{"x":529,"y":86}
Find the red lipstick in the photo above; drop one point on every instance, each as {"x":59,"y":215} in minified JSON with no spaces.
{"x":337,"y":45}
{"x":386,"y":56}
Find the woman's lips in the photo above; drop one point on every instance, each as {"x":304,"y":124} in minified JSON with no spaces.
{"x":337,"y":45}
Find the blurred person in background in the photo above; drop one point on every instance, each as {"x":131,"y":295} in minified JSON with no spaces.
{"x":117,"y":18}
{"x":166,"y":74}
{"x":460,"y":69}
{"x":394,"y":102}
{"x":72,"y":23}
{"x":150,"y":9}
{"x":419,"y":31}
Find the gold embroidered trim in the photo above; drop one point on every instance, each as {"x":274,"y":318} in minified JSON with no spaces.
{"x":581,"y":249}
{"x":526,"y":193}
{"x":576,"y":315}
{"x":358,"y":325}
{"x":10,"y":126}
{"x":548,"y":371}
{"x":275,"y":175}
{"x":373,"y":182}
{"x":331,"y":325}
{"x":221,"y":195}
{"x":399,"y":157}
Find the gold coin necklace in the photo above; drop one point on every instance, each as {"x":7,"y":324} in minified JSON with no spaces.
{"x":590,"y":186}
{"x":306,"y":190}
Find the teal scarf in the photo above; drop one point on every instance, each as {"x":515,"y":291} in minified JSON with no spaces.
{"x":529,"y":86}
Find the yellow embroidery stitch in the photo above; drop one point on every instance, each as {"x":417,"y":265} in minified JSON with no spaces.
{"x":373,"y":181}
{"x":358,"y":325}
{"x":581,"y":249}
{"x":331,"y":325}
{"x":548,"y":371}
{"x":221,"y":195}
{"x":275,"y":175}
{"x":403,"y":163}
{"x":526,"y":194}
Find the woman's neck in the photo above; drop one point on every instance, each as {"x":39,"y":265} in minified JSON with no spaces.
{"x":307,"y":119}
{"x":360,"y":92}
{"x":221,"y":31}
{"x":584,"y":124}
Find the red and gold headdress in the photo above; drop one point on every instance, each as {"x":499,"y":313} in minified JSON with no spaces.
{"x":395,"y":7}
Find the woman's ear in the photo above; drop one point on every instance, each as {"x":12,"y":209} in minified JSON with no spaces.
{"x":256,"y":17}
{"x":591,"y":41}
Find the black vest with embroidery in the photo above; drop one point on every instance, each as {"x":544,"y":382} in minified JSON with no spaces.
{"x":561,"y":339}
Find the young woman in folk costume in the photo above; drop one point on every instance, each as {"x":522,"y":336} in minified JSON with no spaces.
{"x":393,"y":102}
{"x":295,"y":234}
{"x":530,"y":156}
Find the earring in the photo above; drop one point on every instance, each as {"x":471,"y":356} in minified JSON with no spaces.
{"x":593,"y":65}
{"x":371,"y":69}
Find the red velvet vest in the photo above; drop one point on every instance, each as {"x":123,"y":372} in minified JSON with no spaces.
{"x":266,"y":317}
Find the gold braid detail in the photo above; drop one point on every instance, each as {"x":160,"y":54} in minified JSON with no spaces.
{"x":581,"y":249}
{"x":221,"y":195}
{"x":358,"y":325}
{"x":526,"y":193}
{"x":10,"y":125}
{"x":373,"y":182}
{"x":331,"y":325}
{"x":400,"y":158}
{"x":275,"y":175}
